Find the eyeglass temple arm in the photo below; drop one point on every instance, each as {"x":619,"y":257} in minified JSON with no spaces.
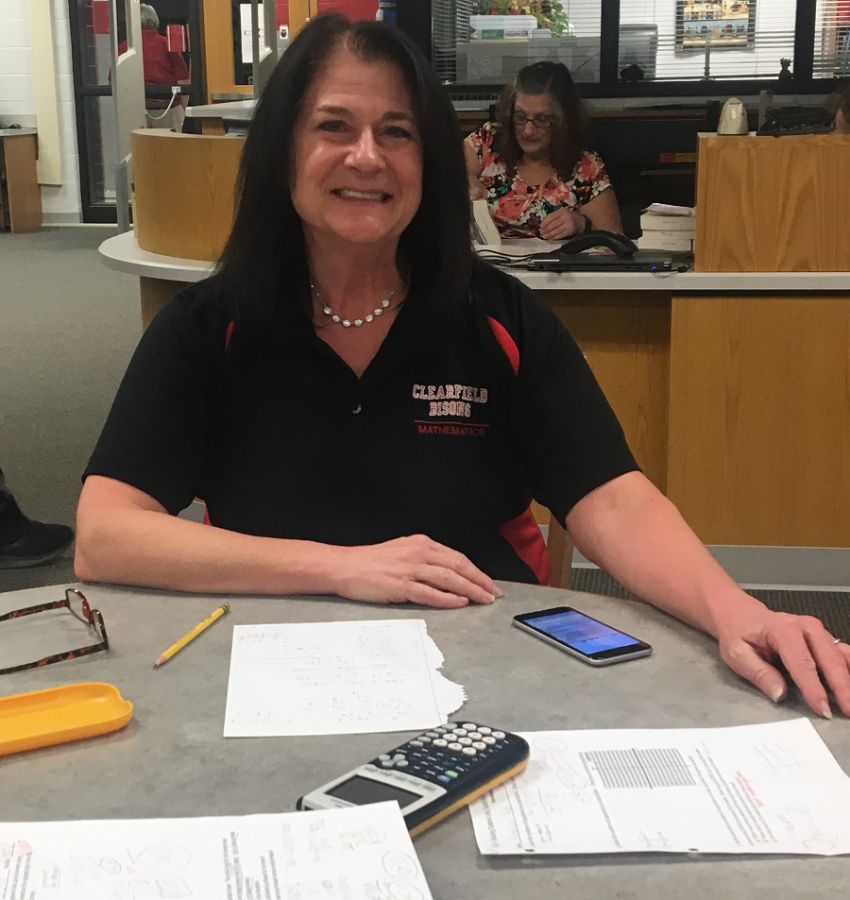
{"x":30,"y":610}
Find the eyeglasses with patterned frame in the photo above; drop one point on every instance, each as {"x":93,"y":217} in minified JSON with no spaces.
{"x":76,"y":602}
{"x":541,"y":121}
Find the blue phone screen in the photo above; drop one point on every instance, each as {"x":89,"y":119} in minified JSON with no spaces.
{"x":582,"y":633}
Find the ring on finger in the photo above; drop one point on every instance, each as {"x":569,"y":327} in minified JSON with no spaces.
{"x":837,"y":641}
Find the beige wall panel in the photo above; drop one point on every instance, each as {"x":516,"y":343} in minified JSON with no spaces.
{"x":759,"y":449}
{"x":626,"y":339}
{"x":45,"y":90}
{"x":185,"y":188}
{"x":769,"y":204}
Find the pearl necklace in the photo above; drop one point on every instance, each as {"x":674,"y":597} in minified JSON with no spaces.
{"x":347,"y":323}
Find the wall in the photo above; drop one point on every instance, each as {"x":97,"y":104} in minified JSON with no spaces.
{"x":17,"y":99}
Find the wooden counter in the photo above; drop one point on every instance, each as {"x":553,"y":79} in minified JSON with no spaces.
{"x":768,"y":204}
{"x":759,"y":418}
{"x":184,"y":191}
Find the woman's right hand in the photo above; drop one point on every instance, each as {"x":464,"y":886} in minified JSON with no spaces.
{"x":412,"y":569}
{"x":477,"y":191}
{"x":561,"y":224}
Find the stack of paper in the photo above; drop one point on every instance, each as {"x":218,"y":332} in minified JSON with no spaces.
{"x":359,"y":853}
{"x":668,"y":227}
{"x":748,"y":789}
{"x":336,"y":678}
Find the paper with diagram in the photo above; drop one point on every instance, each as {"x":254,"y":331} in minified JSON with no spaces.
{"x":336,"y":678}
{"x":361,"y":853}
{"x":771,"y":788}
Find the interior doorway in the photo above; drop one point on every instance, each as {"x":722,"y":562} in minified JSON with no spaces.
{"x":91,"y":55}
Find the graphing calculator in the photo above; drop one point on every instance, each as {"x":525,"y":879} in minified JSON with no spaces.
{"x":431,"y":776}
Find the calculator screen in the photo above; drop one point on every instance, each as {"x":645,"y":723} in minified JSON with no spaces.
{"x":360,"y":791}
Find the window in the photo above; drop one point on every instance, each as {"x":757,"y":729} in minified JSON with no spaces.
{"x":832,"y":39}
{"x":485,"y":42}
{"x":717,"y":39}
{"x":482,"y":42}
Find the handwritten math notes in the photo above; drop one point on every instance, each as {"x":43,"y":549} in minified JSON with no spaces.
{"x":771,"y":788}
{"x":336,"y":678}
{"x":362,"y":853}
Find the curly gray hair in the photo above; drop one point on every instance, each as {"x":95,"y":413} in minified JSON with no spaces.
{"x":150,"y":19}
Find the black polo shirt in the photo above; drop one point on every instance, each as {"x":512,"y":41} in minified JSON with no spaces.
{"x":450,"y":438}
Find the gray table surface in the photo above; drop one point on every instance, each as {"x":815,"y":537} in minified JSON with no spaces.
{"x":171,"y":760}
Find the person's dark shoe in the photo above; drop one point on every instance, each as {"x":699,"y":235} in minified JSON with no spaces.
{"x":40,"y":543}
{"x":27,"y":543}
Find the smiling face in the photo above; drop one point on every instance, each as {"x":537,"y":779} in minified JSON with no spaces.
{"x":356,"y":175}
{"x":533,"y":119}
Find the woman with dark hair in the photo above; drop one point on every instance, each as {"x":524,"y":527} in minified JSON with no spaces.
{"x":366,"y":409}
{"x":533,"y":166}
{"x":301,"y":390}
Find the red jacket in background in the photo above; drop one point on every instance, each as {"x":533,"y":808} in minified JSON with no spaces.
{"x":161,"y":66}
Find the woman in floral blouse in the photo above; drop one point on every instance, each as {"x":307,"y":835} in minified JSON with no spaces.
{"x":532,"y":166}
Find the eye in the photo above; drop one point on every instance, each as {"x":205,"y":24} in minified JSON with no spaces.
{"x":335,"y":126}
{"x":397,"y":131}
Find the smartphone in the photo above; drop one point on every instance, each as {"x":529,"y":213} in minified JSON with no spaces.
{"x":582,"y":636}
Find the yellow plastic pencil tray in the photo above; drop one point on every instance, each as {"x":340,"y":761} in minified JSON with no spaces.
{"x":61,"y":714}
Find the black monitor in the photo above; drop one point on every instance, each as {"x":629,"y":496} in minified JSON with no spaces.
{"x":650,"y":154}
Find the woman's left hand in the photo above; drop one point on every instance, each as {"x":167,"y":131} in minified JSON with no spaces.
{"x":632,"y":531}
{"x":561,"y":224}
{"x":753,"y":641}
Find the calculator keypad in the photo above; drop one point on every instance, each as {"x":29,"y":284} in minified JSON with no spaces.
{"x":446,"y":754}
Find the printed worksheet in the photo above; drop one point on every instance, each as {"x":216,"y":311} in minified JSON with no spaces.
{"x":336,"y":678}
{"x":771,"y":788}
{"x":361,"y":853}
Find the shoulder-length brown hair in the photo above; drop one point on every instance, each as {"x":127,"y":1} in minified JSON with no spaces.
{"x":570,"y":131}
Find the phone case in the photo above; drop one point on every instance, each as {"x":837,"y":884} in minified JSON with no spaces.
{"x":527,"y":626}
{"x":58,"y":715}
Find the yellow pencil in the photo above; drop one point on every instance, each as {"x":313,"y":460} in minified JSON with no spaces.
{"x":175,"y":648}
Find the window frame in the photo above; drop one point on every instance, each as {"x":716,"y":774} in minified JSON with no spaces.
{"x":413,"y":20}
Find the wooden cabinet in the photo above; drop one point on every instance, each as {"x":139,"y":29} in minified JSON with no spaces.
{"x":759,"y":418}
{"x":768,"y":204}
{"x":20,"y":194}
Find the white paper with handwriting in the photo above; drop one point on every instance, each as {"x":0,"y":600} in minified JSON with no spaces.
{"x":361,"y":853}
{"x":336,"y":678}
{"x":771,"y":788}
